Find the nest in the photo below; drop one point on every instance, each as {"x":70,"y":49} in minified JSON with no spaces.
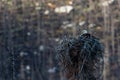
{"x":81,"y":58}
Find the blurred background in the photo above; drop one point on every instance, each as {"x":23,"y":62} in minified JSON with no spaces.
{"x":30,"y":30}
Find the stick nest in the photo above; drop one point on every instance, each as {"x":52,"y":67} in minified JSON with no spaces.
{"x":81,"y":58}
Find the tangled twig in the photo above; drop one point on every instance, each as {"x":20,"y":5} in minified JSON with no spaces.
{"x":81,"y":58}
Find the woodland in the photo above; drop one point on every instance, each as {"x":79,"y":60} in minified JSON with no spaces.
{"x":30,"y":31}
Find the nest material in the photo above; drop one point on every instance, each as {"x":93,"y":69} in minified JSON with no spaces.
{"x":81,"y":58}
